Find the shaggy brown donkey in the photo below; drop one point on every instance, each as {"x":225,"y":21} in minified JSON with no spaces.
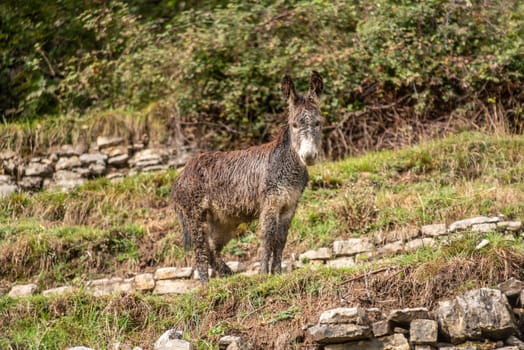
{"x":217,"y":191}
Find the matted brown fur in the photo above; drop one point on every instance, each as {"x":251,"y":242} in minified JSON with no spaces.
{"x":217,"y":191}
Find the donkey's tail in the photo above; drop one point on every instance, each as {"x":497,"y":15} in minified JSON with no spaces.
{"x":185,"y":233}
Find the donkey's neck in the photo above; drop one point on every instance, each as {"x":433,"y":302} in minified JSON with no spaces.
{"x":284,"y":151}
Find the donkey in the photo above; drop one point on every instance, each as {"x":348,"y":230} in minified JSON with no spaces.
{"x":217,"y":191}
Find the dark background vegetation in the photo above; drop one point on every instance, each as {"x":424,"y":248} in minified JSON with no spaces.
{"x":395,"y":71}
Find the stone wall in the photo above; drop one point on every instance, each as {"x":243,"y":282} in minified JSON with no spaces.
{"x":66,"y":166}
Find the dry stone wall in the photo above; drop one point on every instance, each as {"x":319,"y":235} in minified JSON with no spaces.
{"x":67,"y":166}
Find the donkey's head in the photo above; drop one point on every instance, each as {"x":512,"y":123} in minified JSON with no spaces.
{"x":305,"y":120}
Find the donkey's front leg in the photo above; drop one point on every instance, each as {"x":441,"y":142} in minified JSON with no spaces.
{"x":269,"y":230}
{"x":280,"y":240}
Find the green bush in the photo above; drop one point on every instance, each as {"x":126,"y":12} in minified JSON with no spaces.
{"x":391,"y":68}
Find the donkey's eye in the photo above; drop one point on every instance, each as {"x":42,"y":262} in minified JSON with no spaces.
{"x":294,"y":125}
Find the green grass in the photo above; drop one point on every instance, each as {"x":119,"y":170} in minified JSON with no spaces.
{"x":238,"y":303}
{"x":106,"y":227}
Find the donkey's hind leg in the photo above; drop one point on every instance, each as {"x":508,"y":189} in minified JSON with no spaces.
{"x":196,"y":225}
{"x":216,"y":244}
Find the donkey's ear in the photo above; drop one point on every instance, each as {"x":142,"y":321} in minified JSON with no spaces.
{"x":288,"y":89}
{"x":316,"y":85}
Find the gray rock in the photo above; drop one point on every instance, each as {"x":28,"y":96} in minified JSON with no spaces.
{"x":153,"y":168}
{"x":467,"y":223}
{"x":403,"y":317}
{"x":511,"y":288}
{"x":395,"y":342}
{"x":172,"y":340}
{"x":66,"y":150}
{"x":59,"y":290}
{"x":23,"y":290}
{"x":236,"y":266}
{"x":66,"y":180}
{"x":434,"y":230}
{"x":511,"y":226}
{"x":318,"y":254}
{"x":484,"y":228}
{"x":175,"y":286}
{"x":6,"y":180}
{"x":6,"y":190}
{"x":419,"y":243}
{"x":514,"y":341}
{"x":93,"y":158}
{"x":343,"y":262}
{"x":354,"y":315}
{"x":164,"y":273}
{"x":339,"y":333}
{"x":64,"y":175}
{"x":352,"y":246}
{"x":227,"y":340}
{"x":144,"y":281}
{"x":482,"y":244}
{"x":477,"y":314}
{"x":423,"y":332}
{"x":118,"y":161}
{"x":381,"y":328}
{"x":148,"y":157}
{"x":97,"y":169}
{"x":6,"y":155}
{"x":106,"y":286}
{"x":391,"y":248}
{"x":31,"y":183}
{"x":68,"y":163}
{"x":38,"y":169}
{"x":105,"y":142}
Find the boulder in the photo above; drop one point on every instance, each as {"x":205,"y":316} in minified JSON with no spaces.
{"x":511,"y":288}
{"x":403,"y":317}
{"x":6,"y":180}
{"x":511,"y":226}
{"x":23,"y":290}
{"x":419,"y":243}
{"x":93,"y":158}
{"x":423,"y":332}
{"x":105,"y":142}
{"x":381,"y":328}
{"x":106,"y":286}
{"x":38,"y":169}
{"x":475,"y":315}
{"x":59,"y":290}
{"x":67,"y":163}
{"x":341,"y":325}
{"x":342,"y":262}
{"x":172,"y":340}
{"x":433,"y":230}
{"x":144,"y":281}
{"x":236,"y":266}
{"x":467,"y":223}
{"x":354,"y":315}
{"x":391,"y":248}
{"x":165,"y":273}
{"x":31,"y":183}
{"x":318,"y":254}
{"x":352,"y":246}
{"x":6,"y":190}
{"x":175,"y":286}
{"x":339,"y":333}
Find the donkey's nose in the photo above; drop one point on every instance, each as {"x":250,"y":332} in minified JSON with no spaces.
{"x":310,"y":158}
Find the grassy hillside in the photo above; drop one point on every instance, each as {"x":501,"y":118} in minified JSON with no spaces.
{"x":116,"y":228}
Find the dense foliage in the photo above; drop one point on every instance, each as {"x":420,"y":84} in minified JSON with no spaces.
{"x":392,"y":67}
